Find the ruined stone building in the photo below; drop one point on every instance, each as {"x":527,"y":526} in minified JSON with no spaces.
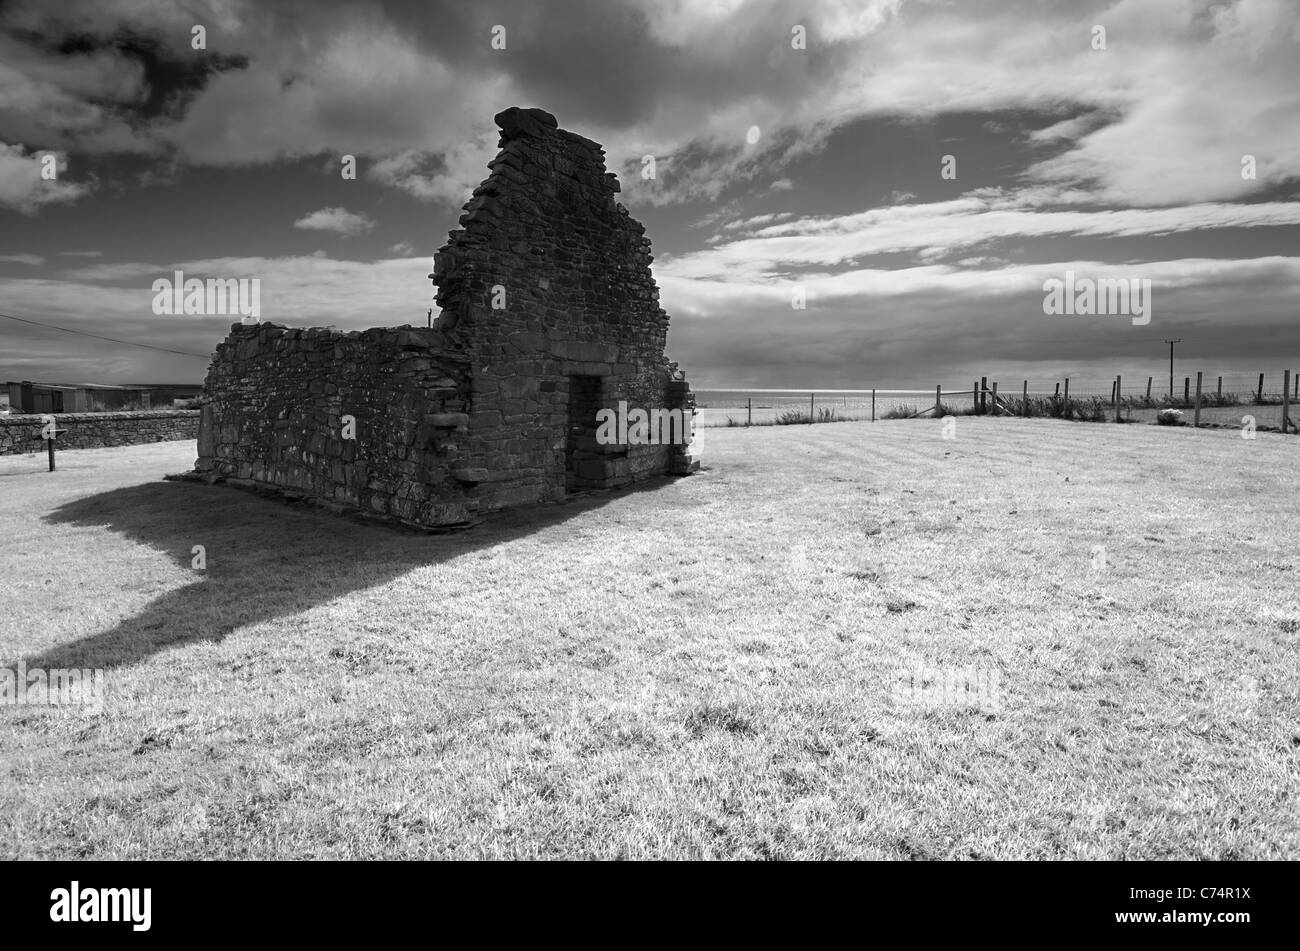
{"x":549,"y":314}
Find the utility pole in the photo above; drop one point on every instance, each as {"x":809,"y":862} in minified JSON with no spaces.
{"x":1171,"y":364}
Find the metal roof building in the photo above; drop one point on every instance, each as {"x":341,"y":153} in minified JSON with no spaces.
{"x":29,"y":397}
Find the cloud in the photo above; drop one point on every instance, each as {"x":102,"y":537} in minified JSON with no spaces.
{"x":447,"y":177}
{"x":702,"y":170}
{"x":1142,"y":140}
{"x":102,"y":77}
{"x":1187,"y":88}
{"x":23,"y":189}
{"x":116,"y":271}
{"x":776,"y":251}
{"x":864,"y":324}
{"x":57,"y":100}
{"x":1205,"y":83}
{"x":338,"y":220}
{"x":305,"y":291}
{"x":934,"y":323}
{"x":31,"y":260}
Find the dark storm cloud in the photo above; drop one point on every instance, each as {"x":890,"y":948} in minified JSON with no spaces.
{"x":173,"y":75}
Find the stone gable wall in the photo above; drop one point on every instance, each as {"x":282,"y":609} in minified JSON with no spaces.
{"x":545,"y":232}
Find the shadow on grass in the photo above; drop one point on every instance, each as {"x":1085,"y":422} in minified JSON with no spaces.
{"x":265,"y":559}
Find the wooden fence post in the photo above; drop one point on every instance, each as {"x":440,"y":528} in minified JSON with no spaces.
{"x":1196,"y":415}
{"x":1219,"y":392}
{"x":873,"y":406}
{"x":1065,"y":407}
{"x":1259,"y":397}
{"x":1295,"y":395}
{"x":1148,"y":389}
{"x":975,"y":395}
{"x":812,"y":402}
{"x":1187,"y":390}
{"x":1286,"y":398}
{"x":749,"y":411}
{"x":995,"y":398}
{"x":1057,"y":394}
{"x":938,"y":401}
{"x":1025,"y":399}
{"x":1117,"y":398}
{"x":984,"y":385}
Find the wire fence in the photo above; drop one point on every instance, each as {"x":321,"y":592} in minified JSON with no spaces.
{"x":771,"y":407}
{"x":1267,"y":400}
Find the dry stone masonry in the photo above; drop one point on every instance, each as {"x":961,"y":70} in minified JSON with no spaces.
{"x":21,"y":433}
{"x":549,"y":313}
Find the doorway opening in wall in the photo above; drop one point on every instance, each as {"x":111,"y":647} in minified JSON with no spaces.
{"x":583,"y":463}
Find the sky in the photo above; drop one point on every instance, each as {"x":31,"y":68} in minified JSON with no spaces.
{"x":912,"y":173}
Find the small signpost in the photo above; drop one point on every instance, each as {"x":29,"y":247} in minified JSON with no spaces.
{"x":49,"y":442}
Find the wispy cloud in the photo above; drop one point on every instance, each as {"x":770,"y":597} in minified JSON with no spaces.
{"x":771,"y":251}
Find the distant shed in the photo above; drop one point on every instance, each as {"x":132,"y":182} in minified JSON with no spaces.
{"x":29,"y":397}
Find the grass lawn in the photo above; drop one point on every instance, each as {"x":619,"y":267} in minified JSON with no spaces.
{"x":751,"y":662}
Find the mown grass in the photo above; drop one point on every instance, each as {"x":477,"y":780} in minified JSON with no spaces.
{"x":705,"y":668}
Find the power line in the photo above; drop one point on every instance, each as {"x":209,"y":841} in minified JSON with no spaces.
{"x":129,"y":343}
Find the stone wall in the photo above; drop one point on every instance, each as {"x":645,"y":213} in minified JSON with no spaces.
{"x":549,"y":278}
{"x":274,"y":419}
{"x":20,"y":433}
{"x":549,"y":313}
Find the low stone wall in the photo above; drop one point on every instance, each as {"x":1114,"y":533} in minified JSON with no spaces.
{"x":20,"y":433}
{"x":374,"y":420}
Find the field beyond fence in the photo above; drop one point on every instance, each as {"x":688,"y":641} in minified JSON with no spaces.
{"x":1269,"y":400}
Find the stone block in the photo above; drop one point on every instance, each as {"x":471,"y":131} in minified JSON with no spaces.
{"x":470,"y":475}
{"x":447,"y":420}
